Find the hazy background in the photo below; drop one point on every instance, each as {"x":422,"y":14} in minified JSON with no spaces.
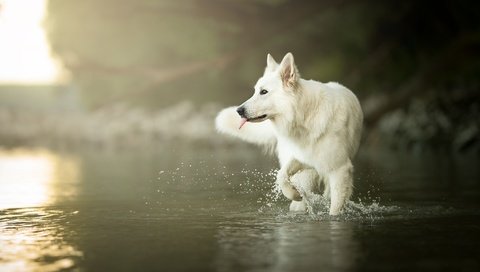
{"x":119,"y":71}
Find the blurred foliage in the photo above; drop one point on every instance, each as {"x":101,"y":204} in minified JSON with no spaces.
{"x":155,"y":52}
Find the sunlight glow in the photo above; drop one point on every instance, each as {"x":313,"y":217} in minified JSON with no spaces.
{"x":24,"y":51}
{"x":32,"y":240}
{"x":31,"y":179}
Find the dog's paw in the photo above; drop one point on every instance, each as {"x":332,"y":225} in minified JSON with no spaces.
{"x":290,"y":192}
{"x":335,"y":210}
{"x":287,"y":188}
{"x":305,"y":180}
{"x":298,"y":206}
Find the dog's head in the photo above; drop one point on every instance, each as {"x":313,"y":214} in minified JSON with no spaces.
{"x":273,"y":91}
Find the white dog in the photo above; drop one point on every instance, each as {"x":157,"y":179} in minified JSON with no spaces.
{"x":315,"y":128}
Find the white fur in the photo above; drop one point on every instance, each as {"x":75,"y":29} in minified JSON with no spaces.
{"x":316,"y":128}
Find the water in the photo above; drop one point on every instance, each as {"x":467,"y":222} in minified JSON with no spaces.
{"x":190,"y":208}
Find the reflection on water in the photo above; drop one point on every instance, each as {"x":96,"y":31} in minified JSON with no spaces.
{"x":286,"y":245}
{"x":30,"y":178}
{"x":31,"y":236}
{"x":32,"y":240}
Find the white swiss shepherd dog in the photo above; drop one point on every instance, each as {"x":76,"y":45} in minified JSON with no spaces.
{"x":314,"y":127}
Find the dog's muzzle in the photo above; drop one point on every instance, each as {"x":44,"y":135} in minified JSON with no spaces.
{"x":241,"y":111}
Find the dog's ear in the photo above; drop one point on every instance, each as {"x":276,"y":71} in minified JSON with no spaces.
{"x":288,"y":71}
{"x":272,"y":65}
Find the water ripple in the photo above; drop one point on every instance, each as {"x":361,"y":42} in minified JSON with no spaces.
{"x":33,"y":239}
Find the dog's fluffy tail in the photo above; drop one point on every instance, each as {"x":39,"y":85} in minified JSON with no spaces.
{"x":228,"y":122}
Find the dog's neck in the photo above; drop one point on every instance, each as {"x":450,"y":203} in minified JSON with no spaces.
{"x":292,"y":123}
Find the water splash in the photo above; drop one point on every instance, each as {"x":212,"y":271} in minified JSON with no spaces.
{"x":256,"y":190}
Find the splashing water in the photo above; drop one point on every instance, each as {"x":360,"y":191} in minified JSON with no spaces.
{"x":262,"y":185}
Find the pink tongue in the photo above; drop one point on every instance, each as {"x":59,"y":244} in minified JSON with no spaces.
{"x":242,"y":122}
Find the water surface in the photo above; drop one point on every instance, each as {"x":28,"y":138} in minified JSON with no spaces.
{"x":191,"y":208}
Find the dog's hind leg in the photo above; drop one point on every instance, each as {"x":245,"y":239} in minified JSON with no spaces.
{"x":341,"y":187}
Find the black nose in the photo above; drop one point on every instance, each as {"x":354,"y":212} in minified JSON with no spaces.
{"x":241,"y":111}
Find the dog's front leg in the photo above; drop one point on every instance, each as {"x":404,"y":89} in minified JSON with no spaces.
{"x":341,"y":187}
{"x":283,"y":179}
{"x":306,"y":181}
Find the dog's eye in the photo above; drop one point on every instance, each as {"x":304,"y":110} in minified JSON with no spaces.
{"x":262,"y":92}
